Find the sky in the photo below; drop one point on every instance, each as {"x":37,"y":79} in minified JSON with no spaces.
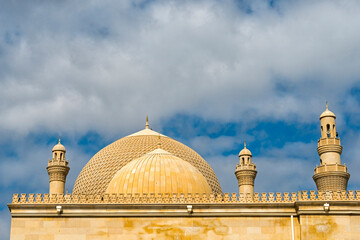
{"x":210,"y":74}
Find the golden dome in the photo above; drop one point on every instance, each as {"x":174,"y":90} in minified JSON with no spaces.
{"x":59,"y":147}
{"x":158,"y":172}
{"x":100,"y":170}
{"x":245,"y":151}
{"x":327,"y":113}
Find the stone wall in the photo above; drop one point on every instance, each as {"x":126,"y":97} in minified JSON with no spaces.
{"x":85,"y":228}
{"x":267,"y":228}
{"x":330,"y":227}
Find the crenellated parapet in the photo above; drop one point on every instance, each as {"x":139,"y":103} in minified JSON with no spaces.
{"x":250,"y":166}
{"x":226,"y":198}
{"x":58,"y":162}
{"x":329,"y":145}
{"x":330,"y":168}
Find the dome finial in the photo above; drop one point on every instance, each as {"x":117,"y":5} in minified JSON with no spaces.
{"x":59,"y":146}
{"x":327,"y":112}
{"x":245,"y":151}
{"x":159,"y":144}
{"x":147,"y":122}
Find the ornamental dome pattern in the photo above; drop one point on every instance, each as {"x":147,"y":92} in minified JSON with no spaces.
{"x":102,"y":167}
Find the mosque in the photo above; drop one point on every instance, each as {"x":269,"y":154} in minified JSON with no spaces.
{"x":149,"y":186}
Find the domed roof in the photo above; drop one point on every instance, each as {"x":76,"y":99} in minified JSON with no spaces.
{"x":245,"y":151}
{"x":59,"y":147}
{"x":100,"y":170}
{"x":327,"y":113}
{"x":158,"y":172}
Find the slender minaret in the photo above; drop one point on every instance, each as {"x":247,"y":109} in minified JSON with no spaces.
{"x":58,"y":169}
{"x":246,"y":172}
{"x":330,"y":175}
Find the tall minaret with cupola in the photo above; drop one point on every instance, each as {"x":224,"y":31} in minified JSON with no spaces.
{"x":57,"y":169}
{"x":246,"y":172}
{"x":331,"y":175}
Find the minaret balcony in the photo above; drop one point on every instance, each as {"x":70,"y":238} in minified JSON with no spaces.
{"x":53,"y":162}
{"x":246,"y":167}
{"x":330,"y":168}
{"x":328,"y":141}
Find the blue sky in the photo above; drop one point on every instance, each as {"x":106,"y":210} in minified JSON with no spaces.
{"x":211,"y":74}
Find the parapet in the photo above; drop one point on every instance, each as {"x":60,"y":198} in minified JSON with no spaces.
{"x":250,"y":166}
{"x":330,"y":168}
{"x":328,"y":141}
{"x":227,"y":198}
{"x":57,"y":162}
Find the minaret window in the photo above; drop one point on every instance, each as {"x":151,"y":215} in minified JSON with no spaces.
{"x":328,"y":130}
{"x":55,"y":156}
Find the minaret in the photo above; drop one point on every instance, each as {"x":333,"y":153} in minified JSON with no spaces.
{"x":57,"y":169}
{"x":246,"y":172}
{"x":330,"y":175}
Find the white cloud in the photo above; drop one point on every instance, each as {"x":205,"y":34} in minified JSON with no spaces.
{"x":71,"y":69}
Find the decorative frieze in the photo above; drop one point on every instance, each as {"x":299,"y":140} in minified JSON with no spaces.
{"x":184,"y":199}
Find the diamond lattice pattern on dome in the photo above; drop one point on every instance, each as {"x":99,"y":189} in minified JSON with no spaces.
{"x":98,"y":172}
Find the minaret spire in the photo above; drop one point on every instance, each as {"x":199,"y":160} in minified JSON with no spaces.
{"x":159,"y":144}
{"x":147,"y":122}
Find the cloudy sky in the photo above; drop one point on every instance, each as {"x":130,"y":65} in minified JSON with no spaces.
{"x":210,"y":74}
